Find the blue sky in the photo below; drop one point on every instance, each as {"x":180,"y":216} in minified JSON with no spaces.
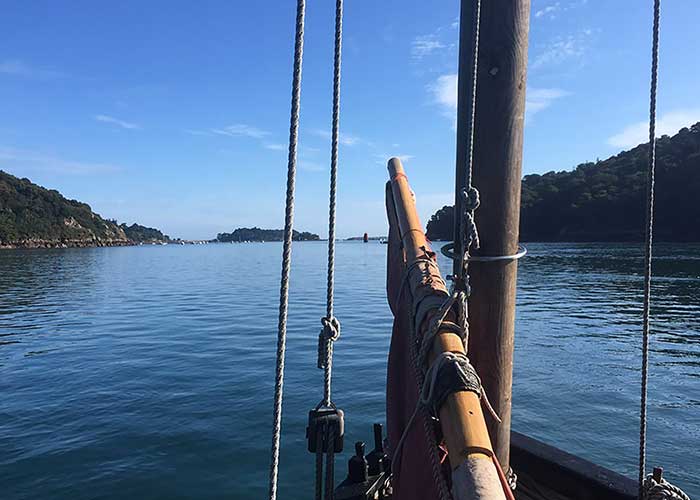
{"x":175,"y":114}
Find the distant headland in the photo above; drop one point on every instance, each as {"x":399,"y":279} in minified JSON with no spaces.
{"x":605,"y":200}
{"x":32,"y":216}
{"x":244,"y":234}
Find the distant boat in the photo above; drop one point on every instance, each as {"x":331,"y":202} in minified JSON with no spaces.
{"x":365,"y":238}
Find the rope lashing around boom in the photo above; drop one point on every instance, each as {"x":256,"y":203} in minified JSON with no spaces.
{"x":287,"y":247}
{"x":450,"y":372}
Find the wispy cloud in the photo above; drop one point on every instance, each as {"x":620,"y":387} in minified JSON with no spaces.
{"x":198,"y":132}
{"x":563,"y":49}
{"x":242,"y":130}
{"x":538,"y":99}
{"x":444,"y":92}
{"x":15,"y":67}
{"x":425,"y":45}
{"x":36,"y":161}
{"x":237,"y":130}
{"x":344,"y":139}
{"x":549,"y":11}
{"x":118,"y":122}
{"x":668,"y":124}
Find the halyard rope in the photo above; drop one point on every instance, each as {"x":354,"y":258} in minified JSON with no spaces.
{"x":287,"y":247}
{"x":468,"y":232}
{"x":648,"y":247}
{"x":331,"y":326}
{"x":649,"y":487}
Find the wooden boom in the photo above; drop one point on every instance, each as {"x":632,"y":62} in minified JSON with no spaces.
{"x":461,"y":416}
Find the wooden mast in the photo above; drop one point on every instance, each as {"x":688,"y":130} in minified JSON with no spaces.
{"x":498,"y":143}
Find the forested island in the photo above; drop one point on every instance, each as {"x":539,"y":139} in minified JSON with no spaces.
{"x":32,"y":216}
{"x":256,"y":234}
{"x":606,"y":200}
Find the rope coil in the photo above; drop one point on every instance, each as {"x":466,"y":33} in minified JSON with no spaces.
{"x":661,"y":490}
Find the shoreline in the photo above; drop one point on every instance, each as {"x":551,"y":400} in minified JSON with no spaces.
{"x":55,"y":244}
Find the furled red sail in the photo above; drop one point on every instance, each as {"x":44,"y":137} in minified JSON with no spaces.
{"x":411,"y":467}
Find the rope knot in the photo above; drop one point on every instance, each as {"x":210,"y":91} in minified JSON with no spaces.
{"x":471,"y":198}
{"x":329,"y":334}
{"x":331,"y":328}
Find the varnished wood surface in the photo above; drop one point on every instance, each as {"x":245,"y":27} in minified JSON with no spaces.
{"x":498,"y":134}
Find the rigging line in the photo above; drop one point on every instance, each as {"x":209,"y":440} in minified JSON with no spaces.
{"x":466,"y":196}
{"x":319,"y":464}
{"x":335,"y":125}
{"x":330,"y":466}
{"x":648,"y":245}
{"x":287,"y":247}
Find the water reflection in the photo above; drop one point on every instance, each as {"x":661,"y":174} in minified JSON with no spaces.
{"x":148,"y":371}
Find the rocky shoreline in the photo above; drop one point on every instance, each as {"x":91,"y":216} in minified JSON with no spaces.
{"x":38,"y":243}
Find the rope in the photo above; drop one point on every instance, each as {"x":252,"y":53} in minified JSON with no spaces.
{"x":330,"y":466}
{"x":468,"y":233}
{"x":648,"y":247}
{"x":428,"y":378}
{"x":287,"y":248}
{"x":512,"y":478}
{"x":319,"y":465}
{"x":661,"y":490}
{"x":331,"y":326}
{"x":331,"y":330}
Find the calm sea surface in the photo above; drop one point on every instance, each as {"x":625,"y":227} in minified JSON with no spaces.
{"x":147,"y":372}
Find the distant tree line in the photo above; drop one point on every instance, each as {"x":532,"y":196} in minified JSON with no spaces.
{"x":606,"y":200}
{"x":257,"y":234}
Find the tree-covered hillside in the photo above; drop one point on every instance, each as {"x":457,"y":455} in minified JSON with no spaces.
{"x":257,"y":234}
{"x":31,"y":215}
{"x":605,"y":200}
{"x":137,"y":232}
